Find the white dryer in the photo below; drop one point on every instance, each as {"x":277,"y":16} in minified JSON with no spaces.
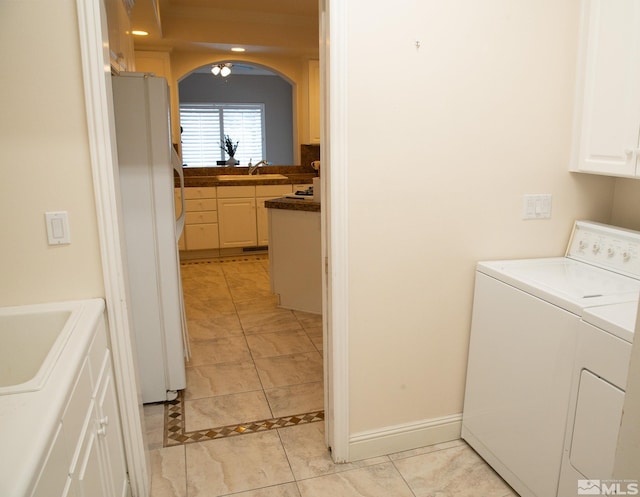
{"x":600,"y":370}
{"x":526,"y":315}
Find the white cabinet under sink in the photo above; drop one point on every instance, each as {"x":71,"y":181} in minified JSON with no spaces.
{"x":242,"y":217}
{"x":86,"y":457}
{"x":607,"y":112}
{"x":237,"y":216}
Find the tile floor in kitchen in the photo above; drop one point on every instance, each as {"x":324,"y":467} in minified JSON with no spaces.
{"x":252,"y":361}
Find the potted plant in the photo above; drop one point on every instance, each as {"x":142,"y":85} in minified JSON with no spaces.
{"x":230,"y":148}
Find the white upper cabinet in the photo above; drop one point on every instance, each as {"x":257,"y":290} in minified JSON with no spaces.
{"x":314,"y":101}
{"x":607,"y":115}
{"x":120,"y":37}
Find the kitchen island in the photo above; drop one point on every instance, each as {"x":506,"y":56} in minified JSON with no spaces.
{"x":295,"y":260}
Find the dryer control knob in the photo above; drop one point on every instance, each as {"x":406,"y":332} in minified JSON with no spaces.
{"x":610,"y":252}
{"x":596,"y":248}
{"x":626,"y":256}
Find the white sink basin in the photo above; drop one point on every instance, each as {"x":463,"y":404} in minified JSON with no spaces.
{"x":246,"y":177}
{"x":31,"y":340}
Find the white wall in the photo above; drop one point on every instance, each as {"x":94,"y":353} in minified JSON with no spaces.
{"x":45,"y":157}
{"x":441,"y":152}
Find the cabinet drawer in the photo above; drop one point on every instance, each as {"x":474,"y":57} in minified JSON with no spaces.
{"x":202,"y":236}
{"x":236,"y":191}
{"x":200,"y":192}
{"x":272,"y":191}
{"x":205,"y":204}
{"x":201,"y":217}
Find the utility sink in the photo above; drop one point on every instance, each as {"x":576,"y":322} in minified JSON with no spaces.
{"x":246,"y":177}
{"x":30,"y":343}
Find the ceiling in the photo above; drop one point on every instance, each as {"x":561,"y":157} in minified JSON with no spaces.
{"x":286,"y":28}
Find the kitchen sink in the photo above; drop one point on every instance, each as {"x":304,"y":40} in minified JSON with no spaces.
{"x":246,"y":177}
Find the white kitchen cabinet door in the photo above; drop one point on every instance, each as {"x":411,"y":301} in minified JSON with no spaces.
{"x":607,"y":117}
{"x":237,"y":222}
{"x":263,"y":222}
{"x":263,"y":193}
{"x":314,"y":101}
{"x":120,"y":37}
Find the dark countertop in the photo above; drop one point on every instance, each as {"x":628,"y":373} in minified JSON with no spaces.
{"x":292,"y":204}
{"x":292,"y":179}
{"x":208,"y":176}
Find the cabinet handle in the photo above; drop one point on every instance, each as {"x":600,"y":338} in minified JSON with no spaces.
{"x":104,"y":421}
{"x":631,"y":154}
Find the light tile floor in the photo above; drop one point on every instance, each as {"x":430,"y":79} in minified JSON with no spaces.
{"x":252,"y":360}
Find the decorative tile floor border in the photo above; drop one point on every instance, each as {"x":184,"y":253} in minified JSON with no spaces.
{"x":226,"y":258}
{"x":175,"y":434}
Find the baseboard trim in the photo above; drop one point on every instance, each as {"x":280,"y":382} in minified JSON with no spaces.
{"x":406,"y":436}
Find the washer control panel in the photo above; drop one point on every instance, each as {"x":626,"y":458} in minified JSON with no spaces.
{"x":609,"y":247}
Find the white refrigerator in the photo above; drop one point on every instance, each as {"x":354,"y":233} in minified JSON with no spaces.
{"x":147,"y":162}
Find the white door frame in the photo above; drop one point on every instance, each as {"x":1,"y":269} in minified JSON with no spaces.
{"x":334,"y":141}
{"x":100,"y":122}
{"x":94,"y":48}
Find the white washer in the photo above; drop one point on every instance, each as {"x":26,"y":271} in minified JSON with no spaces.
{"x":525,"y":322}
{"x":600,"y":370}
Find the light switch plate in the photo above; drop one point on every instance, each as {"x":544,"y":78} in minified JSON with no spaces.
{"x":57,"y":227}
{"x":537,"y":206}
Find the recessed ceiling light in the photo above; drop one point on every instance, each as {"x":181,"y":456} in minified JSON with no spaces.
{"x":139,"y":32}
{"x":238,"y":49}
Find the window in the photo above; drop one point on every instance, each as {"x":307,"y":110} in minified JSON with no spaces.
{"x":204,"y":127}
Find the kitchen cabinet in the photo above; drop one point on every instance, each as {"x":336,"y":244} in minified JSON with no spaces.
{"x":201,"y":218}
{"x":314,"y":101}
{"x":120,"y":37}
{"x":607,"y":111}
{"x":263,"y":193}
{"x":86,"y":458}
{"x":237,"y":221}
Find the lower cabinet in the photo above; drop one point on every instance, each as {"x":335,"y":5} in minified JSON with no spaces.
{"x":201,"y":219}
{"x":263,"y":193}
{"x":237,"y":222}
{"x":87,"y":456}
{"x":229,"y":216}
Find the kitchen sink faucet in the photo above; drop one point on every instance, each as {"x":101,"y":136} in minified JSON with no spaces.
{"x":254,"y":167}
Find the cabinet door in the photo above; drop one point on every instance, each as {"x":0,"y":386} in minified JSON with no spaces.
{"x":263,"y":222}
{"x":608,"y":117}
{"x":314,"y":101}
{"x":237,"y":222}
{"x":88,"y":477}
{"x":110,"y":435}
{"x":54,"y":477}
